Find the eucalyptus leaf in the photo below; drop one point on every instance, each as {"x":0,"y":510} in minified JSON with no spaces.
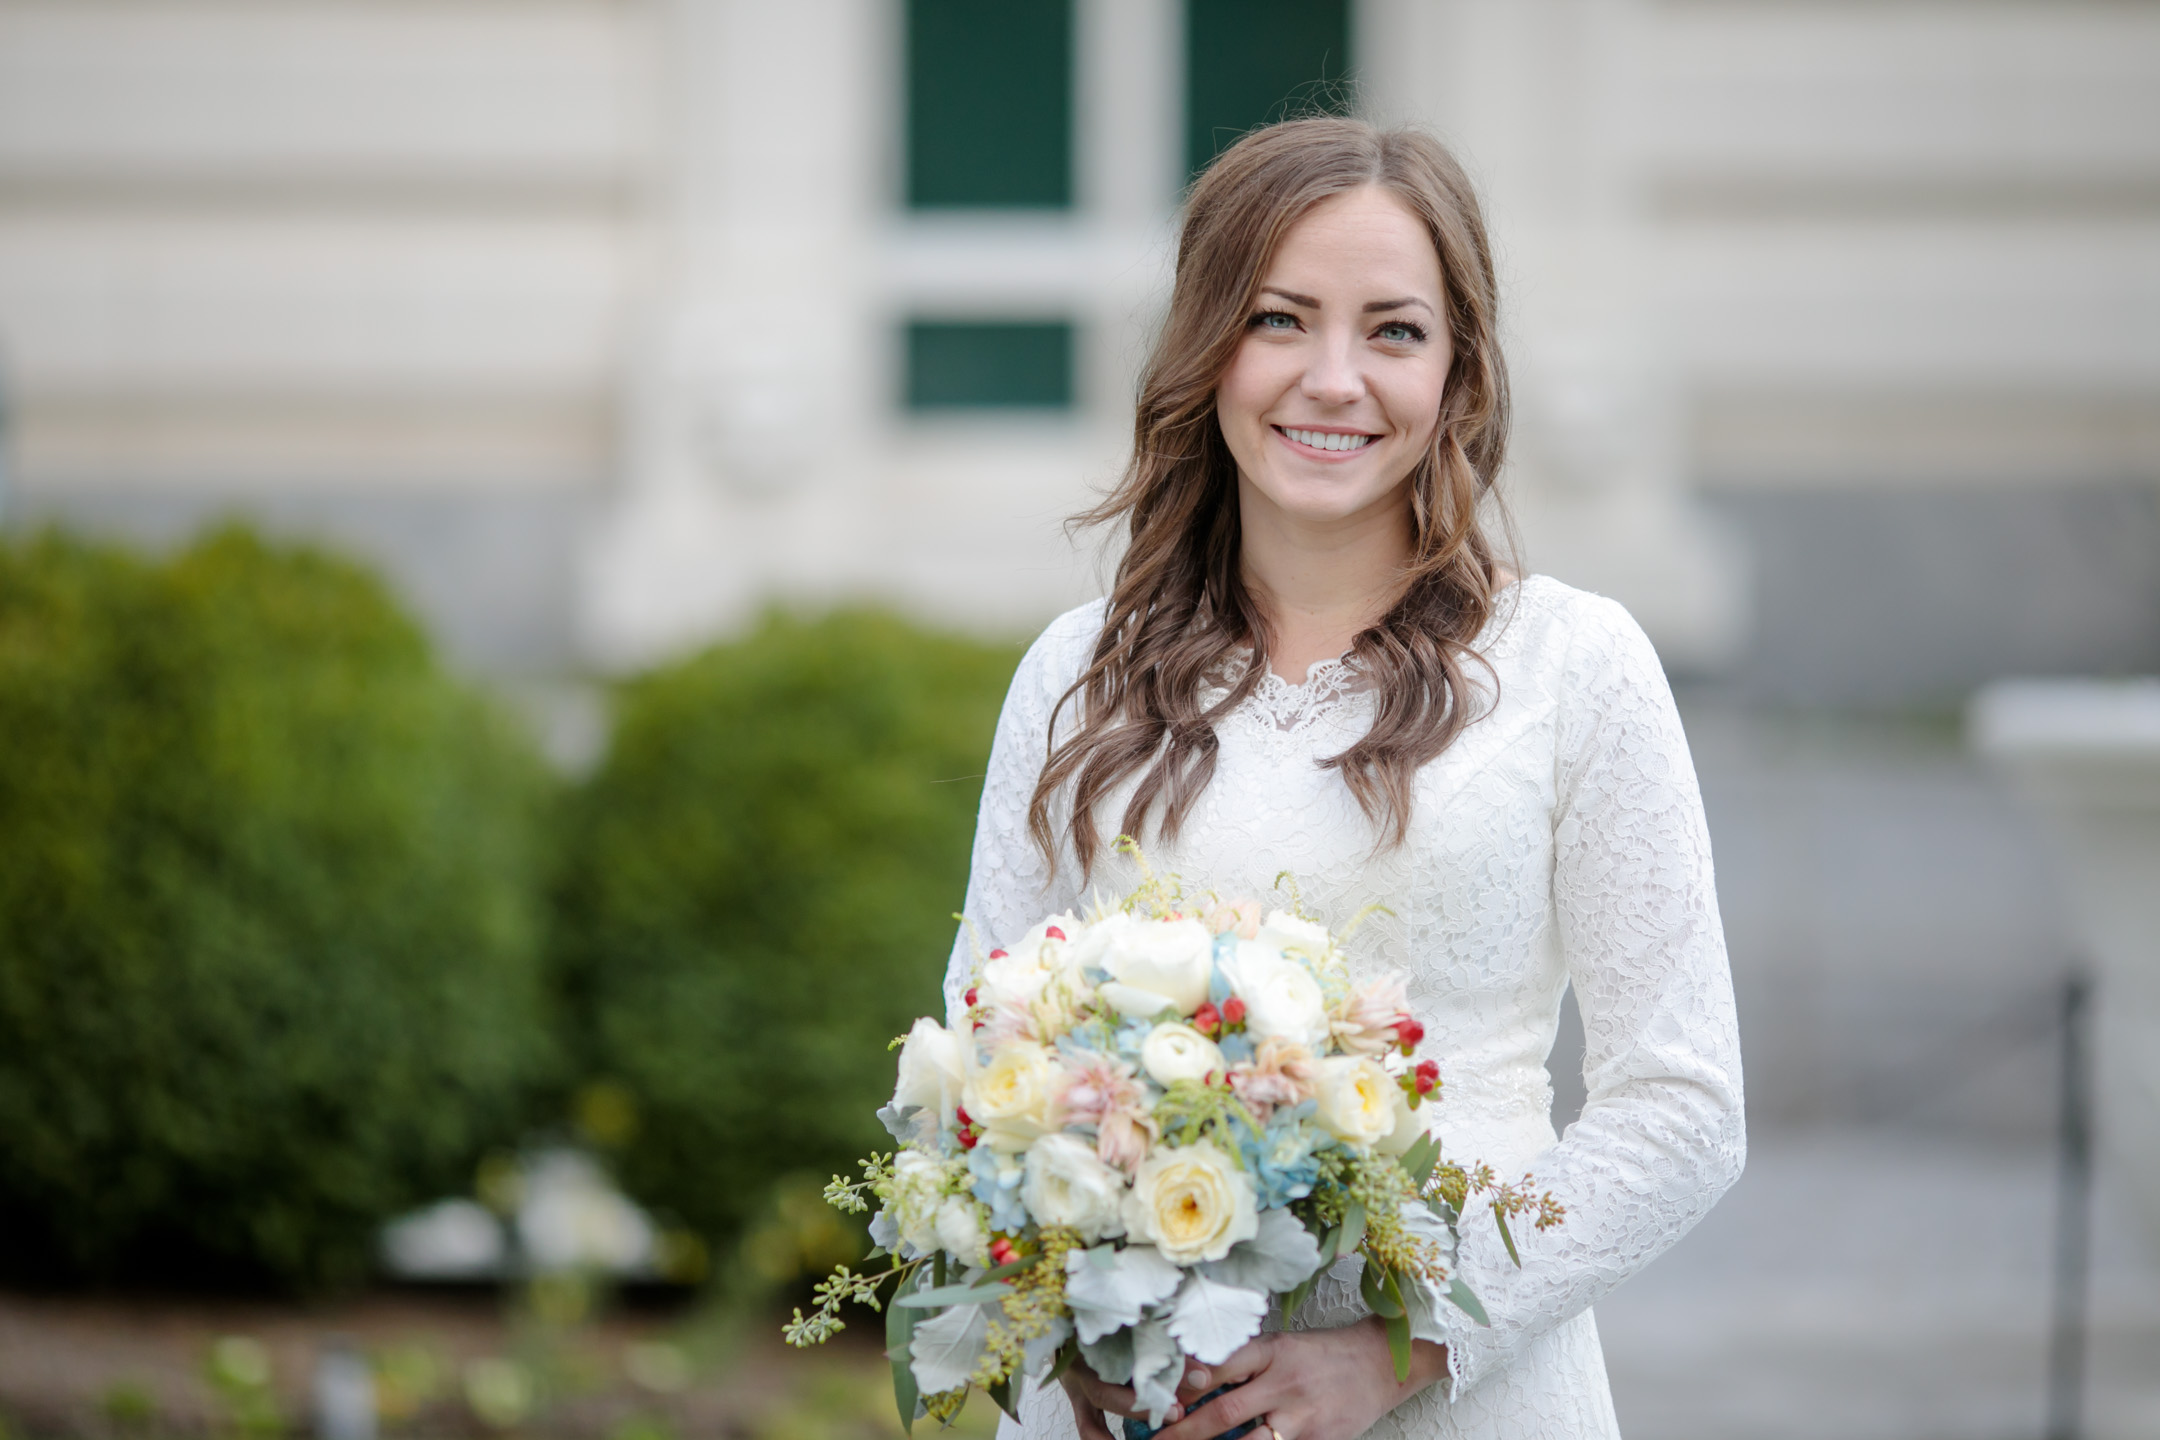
{"x":1505,"y":1238}
{"x":1353,"y":1229}
{"x":1418,"y":1161}
{"x":899,"y":1331}
{"x":938,"y":1297}
{"x":1467,"y":1302}
{"x":1398,"y":1344}
{"x":1001,"y":1395}
{"x":1373,"y":1284}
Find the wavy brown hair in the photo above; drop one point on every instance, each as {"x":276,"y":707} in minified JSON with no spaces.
{"x":1181,"y":609}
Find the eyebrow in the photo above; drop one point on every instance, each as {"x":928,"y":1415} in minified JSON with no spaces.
{"x":1371,"y":307}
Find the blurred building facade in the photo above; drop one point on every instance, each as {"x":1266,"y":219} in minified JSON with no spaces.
{"x":602,"y":323}
{"x":1836,"y":327}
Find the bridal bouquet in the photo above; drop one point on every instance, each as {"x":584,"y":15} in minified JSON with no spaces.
{"x":1154,"y":1124}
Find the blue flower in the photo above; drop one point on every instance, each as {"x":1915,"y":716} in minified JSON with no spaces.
{"x":997,"y":1185}
{"x":1280,"y":1158}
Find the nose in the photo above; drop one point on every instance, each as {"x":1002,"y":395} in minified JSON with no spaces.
{"x":1333,"y":377}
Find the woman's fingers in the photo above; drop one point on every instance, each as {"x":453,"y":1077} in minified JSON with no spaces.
{"x":1197,"y":1382}
{"x":1225,"y":1412}
{"x":1245,"y":1362}
{"x":1088,"y":1419}
{"x":1086,"y":1385}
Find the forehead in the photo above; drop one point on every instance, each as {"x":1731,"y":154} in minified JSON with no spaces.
{"x":1364,"y":240}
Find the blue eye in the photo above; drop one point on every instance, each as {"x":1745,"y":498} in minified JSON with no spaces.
{"x":1402,"y":332}
{"x":1274,"y":320}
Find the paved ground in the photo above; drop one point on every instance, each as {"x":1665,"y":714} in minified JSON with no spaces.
{"x":1871,"y":1284}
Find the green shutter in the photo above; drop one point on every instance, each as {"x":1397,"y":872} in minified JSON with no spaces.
{"x":1250,"y":62}
{"x":989,"y":364}
{"x":989,"y":104}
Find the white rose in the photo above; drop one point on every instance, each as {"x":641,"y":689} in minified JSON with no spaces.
{"x":1281,"y":997}
{"x":1356,"y":1099}
{"x":1010,"y":1096}
{"x":1066,"y":1185}
{"x":959,"y":1230}
{"x":933,"y":1067}
{"x":1175,"y":1052}
{"x":918,"y":1190}
{"x":1155,"y":965}
{"x":1016,"y":976}
{"x":1292,"y":936}
{"x":1192,"y":1203}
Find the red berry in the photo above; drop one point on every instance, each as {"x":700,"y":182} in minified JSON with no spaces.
{"x":1207,"y":1021}
{"x":1001,"y":1250}
{"x":1233,"y":1011}
{"x":1053,"y":933}
{"x":1428,"y":1076}
{"x":997,"y":954}
{"x":968,"y":1139}
{"x":1410,"y":1032}
{"x":970,"y":996}
{"x":961,"y":1111}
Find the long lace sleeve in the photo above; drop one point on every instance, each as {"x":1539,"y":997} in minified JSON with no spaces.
{"x":1010,"y":887}
{"x":1661,"y":1135}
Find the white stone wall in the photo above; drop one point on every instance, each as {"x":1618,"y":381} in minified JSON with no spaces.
{"x":647,"y":254}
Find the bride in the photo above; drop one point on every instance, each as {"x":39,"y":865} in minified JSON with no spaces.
{"x":1313,"y":662}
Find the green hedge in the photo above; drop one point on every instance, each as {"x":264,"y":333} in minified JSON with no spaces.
{"x":269,"y":941}
{"x":757,"y":895}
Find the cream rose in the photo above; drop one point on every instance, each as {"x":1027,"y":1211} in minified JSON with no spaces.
{"x":1154,"y":965}
{"x":933,"y":1067}
{"x":1409,"y":1128}
{"x":1174,"y":1052}
{"x":1010,"y":1097}
{"x":1356,"y":1099}
{"x":1281,"y":997}
{"x":1066,"y":1185}
{"x":959,"y":1229}
{"x":1192,"y":1203}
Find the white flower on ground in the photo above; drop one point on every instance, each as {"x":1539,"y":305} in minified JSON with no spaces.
{"x":1010,"y":1097}
{"x":1357,"y":1100}
{"x":1067,"y":1185}
{"x":1281,"y":997}
{"x":1174,"y":1052}
{"x":1192,"y":1203}
{"x":1154,"y":965}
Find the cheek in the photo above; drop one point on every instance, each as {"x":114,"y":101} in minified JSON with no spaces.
{"x":1247,"y":388}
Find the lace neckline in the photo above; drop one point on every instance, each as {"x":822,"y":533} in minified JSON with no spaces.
{"x":1328,"y":684}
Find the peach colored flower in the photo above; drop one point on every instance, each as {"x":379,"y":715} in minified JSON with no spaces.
{"x":1364,"y":1024}
{"x":1281,"y":1072}
{"x":1107,"y":1094}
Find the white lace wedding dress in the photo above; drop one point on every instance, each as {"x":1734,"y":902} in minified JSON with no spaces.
{"x":1559,"y":840}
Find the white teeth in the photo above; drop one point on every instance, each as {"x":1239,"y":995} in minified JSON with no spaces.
{"x":1323,"y":440}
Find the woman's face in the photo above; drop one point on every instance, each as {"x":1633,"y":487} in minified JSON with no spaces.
{"x":1335,"y":390}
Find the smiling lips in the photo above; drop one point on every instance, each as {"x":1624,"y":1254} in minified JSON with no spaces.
{"x":1326,"y":439}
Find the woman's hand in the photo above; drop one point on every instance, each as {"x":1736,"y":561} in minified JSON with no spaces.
{"x":1091,"y":1395}
{"x":1307,"y":1385}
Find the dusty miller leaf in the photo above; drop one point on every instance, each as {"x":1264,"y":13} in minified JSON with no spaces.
{"x":1211,"y":1319}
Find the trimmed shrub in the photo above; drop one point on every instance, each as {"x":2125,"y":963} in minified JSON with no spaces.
{"x":269,"y":943}
{"x":757,"y":895}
